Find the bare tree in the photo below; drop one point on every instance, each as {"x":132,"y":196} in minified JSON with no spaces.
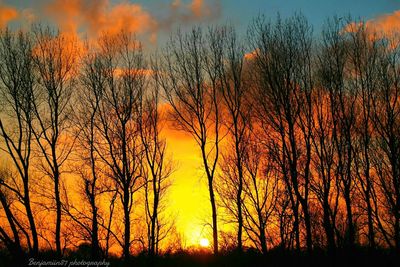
{"x":17,"y":91}
{"x":342,"y":98}
{"x":120,"y":146}
{"x":236,"y":102}
{"x":93,"y":81}
{"x":260,"y":190}
{"x":190,"y":81}
{"x":11,"y":240}
{"x":386,"y":119}
{"x":363,"y":58}
{"x":157,"y":167}
{"x":283,"y":57}
{"x":324,"y":184}
{"x":55,"y":58}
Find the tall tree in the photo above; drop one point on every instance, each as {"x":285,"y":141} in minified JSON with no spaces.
{"x":324,"y":185}
{"x":93,"y":82}
{"x":342,"y":98}
{"x":157,"y":166}
{"x":363,"y":58}
{"x":120,"y":147}
{"x":235,"y":100}
{"x":55,"y":59}
{"x":190,"y":80}
{"x":386,"y":119}
{"x":282,"y":54}
{"x":17,"y":91}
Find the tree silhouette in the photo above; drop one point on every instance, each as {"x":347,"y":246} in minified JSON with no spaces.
{"x":120,"y":148}
{"x":54,"y":57}
{"x":17,"y":76}
{"x":283,"y":56}
{"x":157,"y":165}
{"x":191,"y":66}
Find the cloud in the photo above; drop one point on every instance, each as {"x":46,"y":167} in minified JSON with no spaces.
{"x":251,"y":55}
{"x":7,"y":14}
{"x":191,"y":12}
{"x":386,"y":24}
{"x":201,"y":9}
{"x":96,"y":17}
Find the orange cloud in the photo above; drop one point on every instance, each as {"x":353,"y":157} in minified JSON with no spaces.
{"x":201,"y":9}
{"x":251,"y":55}
{"x":387,"y":24}
{"x":95,"y":17}
{"x":7,"y":14}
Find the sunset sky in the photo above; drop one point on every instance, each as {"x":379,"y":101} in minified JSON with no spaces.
{"x":153,"y":21}
{"x":157,"y":18}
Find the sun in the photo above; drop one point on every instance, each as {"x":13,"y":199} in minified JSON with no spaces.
{"x":204,"y":243}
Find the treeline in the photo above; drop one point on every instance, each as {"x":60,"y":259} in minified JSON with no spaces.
{"x":79,"y":120}
{"x":299,"y":136}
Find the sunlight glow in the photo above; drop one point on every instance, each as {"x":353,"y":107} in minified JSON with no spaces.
{"x":204,"y":243}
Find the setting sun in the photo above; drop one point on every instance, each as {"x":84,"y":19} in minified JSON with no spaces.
{"x":204,"y":243}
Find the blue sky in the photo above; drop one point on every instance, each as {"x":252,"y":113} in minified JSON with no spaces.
{"x":316,"y":11}
{"x":242,"y":11}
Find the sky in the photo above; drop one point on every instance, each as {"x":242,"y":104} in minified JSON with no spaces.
{"x":153,"y":21}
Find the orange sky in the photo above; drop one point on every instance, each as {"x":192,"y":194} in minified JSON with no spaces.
{"x":188,"y":195}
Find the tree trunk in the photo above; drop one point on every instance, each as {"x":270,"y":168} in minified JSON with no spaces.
{"x":329,"y":232}
{"x":263,"y":241}
{"x":127,"y":234}
{"x":29,"y":214}
{"x":307,"y":222}
{"x":240,"y":185}
{"x":350,"y":233}
{"x":296,"y":225}
{"x":153,"y":236}
{"x":214,"y":217}
{"x":58,"y":213}
{"x":371,"y":233}
{"x":240,"y":215}
{"x":95,"y":235}
{"x":14,"y":245}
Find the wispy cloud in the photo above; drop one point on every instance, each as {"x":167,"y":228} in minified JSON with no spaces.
{"x":189,"y":12}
